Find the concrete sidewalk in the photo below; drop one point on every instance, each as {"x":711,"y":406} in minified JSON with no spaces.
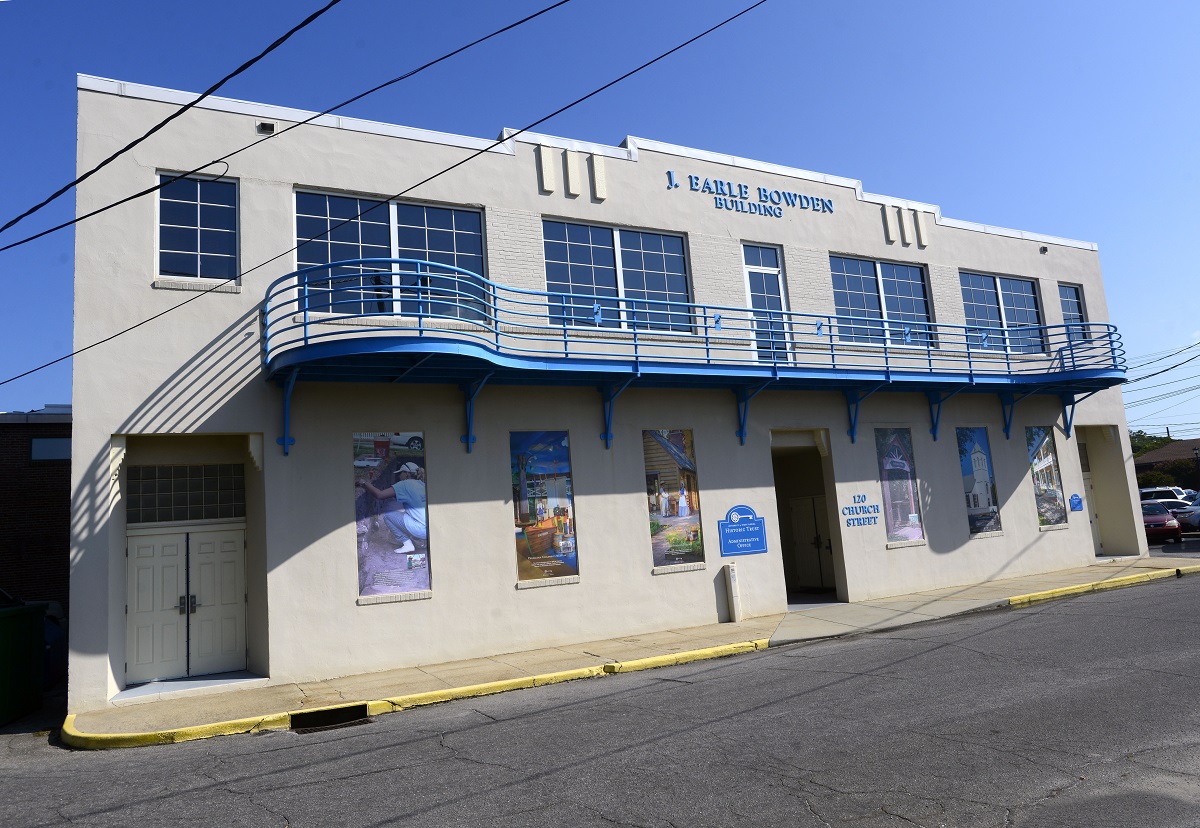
{"x":166,"y":712}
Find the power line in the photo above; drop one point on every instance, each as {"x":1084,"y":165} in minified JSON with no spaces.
{"x":1161,"y":384}
{"x":1164,"y":370}
{"x":171,"y":179}
{"x":177,"y":113}
{"x":1161,"y":358}
{"x":403,"y":192}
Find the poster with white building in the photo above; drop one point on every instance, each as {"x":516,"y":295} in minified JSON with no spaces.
{"x":979,"y":480}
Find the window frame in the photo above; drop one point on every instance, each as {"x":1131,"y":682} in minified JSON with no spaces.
{"x":393,"y":239}
{"x":781,"y":348}
{"x":885,"y":323}
{"x":1083,"y":314}
{"x":175,"y":279}
{"x":1008,"y":329}
{"x":624,"y":311}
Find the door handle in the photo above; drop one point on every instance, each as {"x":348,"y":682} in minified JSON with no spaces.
{"x":183,"y":605}
{"x":191,"y":603}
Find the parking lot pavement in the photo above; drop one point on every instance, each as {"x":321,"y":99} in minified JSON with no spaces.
{"x":1190,"y":548}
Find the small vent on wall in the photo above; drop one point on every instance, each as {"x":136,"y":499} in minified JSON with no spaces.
{"x":264,"y":127}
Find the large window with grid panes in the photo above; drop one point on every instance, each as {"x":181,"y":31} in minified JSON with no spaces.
{"x":442,"y":269}
{"x":610,"y":277}
{"x":1002,"y":313}
{"x":197,"y":228}
{"x":880,"y":303}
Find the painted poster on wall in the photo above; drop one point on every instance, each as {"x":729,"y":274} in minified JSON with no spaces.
{"x":543,"y":505}
{"x":390,"y":512}
{"x":898,"y":475}
{"x":672,"y":496}
{"x":979,"y":480}
{"x":1047,"y":482}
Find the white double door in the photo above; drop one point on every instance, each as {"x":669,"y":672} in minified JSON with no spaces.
{"x":186,"y":604}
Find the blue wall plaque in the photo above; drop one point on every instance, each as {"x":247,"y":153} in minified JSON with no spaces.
{"x":1076,"y":503}
{"x":742,"y":532}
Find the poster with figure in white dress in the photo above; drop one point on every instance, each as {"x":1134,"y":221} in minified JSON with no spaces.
{"x":390,"y":512}
{"x":672,"y":496}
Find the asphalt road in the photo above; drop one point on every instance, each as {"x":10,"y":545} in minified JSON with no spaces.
{"x":1080,"y":712}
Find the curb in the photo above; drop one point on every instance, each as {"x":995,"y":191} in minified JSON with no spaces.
{"x":76,"y":738}
{"x":1100,"y":586}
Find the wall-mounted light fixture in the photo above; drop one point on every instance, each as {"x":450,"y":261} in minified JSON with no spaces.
{"x":1044,"y":249}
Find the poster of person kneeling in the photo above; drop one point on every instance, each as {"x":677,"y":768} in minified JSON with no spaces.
{"x":543,"y":505}
{"x":672,"y":496}
{"x":389,"y":512}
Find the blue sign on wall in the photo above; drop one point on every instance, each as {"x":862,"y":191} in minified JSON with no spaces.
{"x":1076,"y":503}
{"x":742,"y":532}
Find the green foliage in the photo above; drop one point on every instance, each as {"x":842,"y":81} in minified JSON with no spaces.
{"x":1153,"y":478}
{"x":656,"y":527}
{"x":1143,"y":442}
{"x":1183,"y":472}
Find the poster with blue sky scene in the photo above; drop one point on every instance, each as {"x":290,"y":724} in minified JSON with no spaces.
{"x":979,"y":480}
{"x":543,"y":505}
{"x":1047,"y":480}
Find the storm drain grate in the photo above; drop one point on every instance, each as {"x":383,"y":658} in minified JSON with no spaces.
{"x":330,"y":718}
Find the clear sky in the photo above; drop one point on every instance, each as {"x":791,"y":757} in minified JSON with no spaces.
{"x":1076,"y":119}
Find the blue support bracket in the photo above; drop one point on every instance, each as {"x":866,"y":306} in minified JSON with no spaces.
{"x":1069,"y":402}
{"x":744,"y":396}
{"x":471,"y":391}
{"x":936,"y":399}
{"x":854,"y":400}
{"x":1008,"y":403}
{"x":287,"y":440}
{"x":609,"y":394}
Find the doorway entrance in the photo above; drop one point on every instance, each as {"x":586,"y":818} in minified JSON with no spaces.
{"x":808,"y":543}
{"x":186,"y":602}
{"x":1089,"y":493}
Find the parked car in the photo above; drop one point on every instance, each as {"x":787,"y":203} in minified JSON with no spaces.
{"x":1173,"y":506}
{"x":368,"y":462}
{"x":1189,"y":516}
{"x":1162,"y":493}
{"x":1159,"y":524}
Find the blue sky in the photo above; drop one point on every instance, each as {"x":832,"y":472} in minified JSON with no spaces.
{"x":1073,"y":119}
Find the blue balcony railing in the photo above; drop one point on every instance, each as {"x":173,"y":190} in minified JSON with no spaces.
{"x":372,"y":308}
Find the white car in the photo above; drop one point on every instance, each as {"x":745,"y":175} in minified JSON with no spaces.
{"x":368,"y":462}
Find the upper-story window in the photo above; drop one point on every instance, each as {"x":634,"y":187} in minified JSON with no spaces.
{"x":646,"y":286}
{"x":764,"y":283}
{"x":1070,"y":297}
{"x":197,"y":228}
{"x":333,"y":228}
{"x":889,"y":297}
{"x":1009,"y":306}
{"x":448,"y":236}
{"x":338,"y":229}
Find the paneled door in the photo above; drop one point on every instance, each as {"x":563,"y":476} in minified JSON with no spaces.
{"x":186,"y":604}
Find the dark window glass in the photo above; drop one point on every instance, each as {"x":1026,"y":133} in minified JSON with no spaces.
{"x":1070,"y":297}
{"x":184,"y":493}
{"x":766,"y":300}
{"x":336,"y":226}
{"x":444,"y":236}
{"x":197,"y":225}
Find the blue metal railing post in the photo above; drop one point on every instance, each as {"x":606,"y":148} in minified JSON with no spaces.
{"x":707,"y":341}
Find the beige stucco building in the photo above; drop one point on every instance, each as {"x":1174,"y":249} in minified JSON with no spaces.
{"x":569,"y":384}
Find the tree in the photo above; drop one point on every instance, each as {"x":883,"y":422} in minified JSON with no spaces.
{"x":1153,"y":479}
{"x":1143,"y":442}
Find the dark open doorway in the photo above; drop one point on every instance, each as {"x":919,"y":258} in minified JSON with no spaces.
{"x":805,"y":532}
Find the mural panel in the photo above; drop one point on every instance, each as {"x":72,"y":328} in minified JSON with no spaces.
{"x":389,"y":511}
{"x":898,"y":475}
{"x":1047,"y":482}
{"x":673,"y":496}
{"x":543,"y":505}
{"x":979,"y":480}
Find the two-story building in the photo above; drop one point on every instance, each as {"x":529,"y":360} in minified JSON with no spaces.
{"x":416,"y":397}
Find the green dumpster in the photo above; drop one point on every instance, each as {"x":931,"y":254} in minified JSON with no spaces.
{"x":22,"y":637}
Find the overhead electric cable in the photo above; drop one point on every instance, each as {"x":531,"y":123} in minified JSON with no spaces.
{"x":426,"y":180}
{"x":177,"y":113}
{"x":1164,"y":370}
{"x":1168,"y":408}
{"x":163,"y":182}
{"x":1161,"y":358}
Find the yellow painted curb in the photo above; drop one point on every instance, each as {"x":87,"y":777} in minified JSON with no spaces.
{"x":681,"y":658}
{"x":102,"y":741}
{"x":1100,"y":586}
